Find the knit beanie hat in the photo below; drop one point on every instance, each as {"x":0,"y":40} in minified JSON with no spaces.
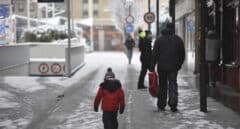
{"x":109,"y":74}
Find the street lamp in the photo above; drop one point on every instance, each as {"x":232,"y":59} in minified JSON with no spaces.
{"x":69,"y":40}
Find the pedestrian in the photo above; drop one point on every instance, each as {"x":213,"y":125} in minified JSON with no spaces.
{"x":145,"y":47}
{"x":111,"y":96}
{"x":129,"y":43}
{"x":213,"y":45}
{"x":169,"y":55}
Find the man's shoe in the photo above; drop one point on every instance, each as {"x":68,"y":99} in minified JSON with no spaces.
{"x":161,"y":108}
{"x":174,"y":109}
{"x":142,"y":87}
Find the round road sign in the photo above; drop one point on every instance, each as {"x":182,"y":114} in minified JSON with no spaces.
{"x":129,"y":28}
{"x":129,"y":19}
{"x":149,"y":17}
{"x":56,"y":68}
{"x":43,"y":68}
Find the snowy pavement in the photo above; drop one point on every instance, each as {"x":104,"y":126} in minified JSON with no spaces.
{"x":34,"y":102}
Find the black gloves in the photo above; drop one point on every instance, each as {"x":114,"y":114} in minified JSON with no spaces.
{"x":121,"y":110}
{"x":95,"y":109}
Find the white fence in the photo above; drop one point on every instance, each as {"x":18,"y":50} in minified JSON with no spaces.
{"x":42,"y":58}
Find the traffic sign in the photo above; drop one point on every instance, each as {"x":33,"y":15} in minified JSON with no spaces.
{"x":129,"y":28}
{"x":56,"y":68}
{"x":149,"y":17}
{"x":50,"y":0}
{"x":129,"y":19}
{"x":43,"y":68}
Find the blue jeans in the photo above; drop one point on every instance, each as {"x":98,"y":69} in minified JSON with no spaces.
{"x":129,"y":55}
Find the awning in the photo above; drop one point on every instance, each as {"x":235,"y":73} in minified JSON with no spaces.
{"x":233,"y":3}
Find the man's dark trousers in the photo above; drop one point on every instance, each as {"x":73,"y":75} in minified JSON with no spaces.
{"x":167,"y":83}
{"x":110,"y":120}
{"x":145,"y":67}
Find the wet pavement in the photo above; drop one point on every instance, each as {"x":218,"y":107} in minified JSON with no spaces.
{"x":67,"y":103}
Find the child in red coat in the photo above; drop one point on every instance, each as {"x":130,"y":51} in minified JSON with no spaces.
{"x":111,"y":95}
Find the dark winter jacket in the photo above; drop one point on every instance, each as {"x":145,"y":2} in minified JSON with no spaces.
{"x":129,"y":43}
{"x":145,"y":47}
{"x":111,"y":94}
{"x":168,"y":52}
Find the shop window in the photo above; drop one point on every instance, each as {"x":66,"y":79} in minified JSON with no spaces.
{"x":230,"y":38}
{"x":32,"y":7}
{"x":21,"y":7}
{"x":85,"y":8}
{"x":95,"y":7}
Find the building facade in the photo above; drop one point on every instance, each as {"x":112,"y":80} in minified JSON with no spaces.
{"x":105,"y":35}
{"x":19,"y":7}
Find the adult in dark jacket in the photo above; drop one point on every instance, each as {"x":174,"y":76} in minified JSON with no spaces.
{"x":145,"y":47}
{"x":169,"y":55}
{"x":129,"y":43}
{"x":111,"y":95}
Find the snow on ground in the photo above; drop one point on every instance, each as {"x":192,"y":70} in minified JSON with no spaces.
{"x":189,"y":115}
{"x":16,"y":124}
{"x":28,"y":84}
{"x":83,"y":118}
{"x":5,"y":102}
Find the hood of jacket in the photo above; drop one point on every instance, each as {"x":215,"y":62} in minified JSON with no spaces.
{"x":167,"y":32}
{"x":111,"y":85}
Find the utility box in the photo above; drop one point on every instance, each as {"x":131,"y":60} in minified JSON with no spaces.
{"x":212,"y":46}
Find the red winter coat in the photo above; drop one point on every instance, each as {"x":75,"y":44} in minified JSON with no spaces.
{"x":111,"y":94}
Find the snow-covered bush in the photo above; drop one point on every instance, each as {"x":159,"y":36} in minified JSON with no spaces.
{"x":45,"y":34}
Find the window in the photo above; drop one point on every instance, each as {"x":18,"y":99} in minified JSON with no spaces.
{"x":95,"y":8}
{"x":32,"y":7}
{"x":20,"y":7}
{"x":85,"y":8}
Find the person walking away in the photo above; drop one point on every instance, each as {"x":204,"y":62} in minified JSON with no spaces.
{"x":169,"y":55}
{"x":145,"y":47}
{"x":129,"y":43}
{"x":111,"y":96}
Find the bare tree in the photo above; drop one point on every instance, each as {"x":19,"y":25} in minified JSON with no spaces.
{"x":121,"y":9}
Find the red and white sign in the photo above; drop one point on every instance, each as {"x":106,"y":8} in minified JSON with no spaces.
{"x":129,"y":19}
{"x":149,"y":17}
{"x":43,"y":68}
{"x":56,"y":68}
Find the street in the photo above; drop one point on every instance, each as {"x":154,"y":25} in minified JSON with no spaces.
{"x":31,"y":102}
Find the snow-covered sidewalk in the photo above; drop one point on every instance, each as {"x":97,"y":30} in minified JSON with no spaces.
{"x":75,"y":111}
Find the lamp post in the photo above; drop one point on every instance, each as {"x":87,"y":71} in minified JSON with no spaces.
{"x":157,"y":12}
{"x":203,"y":66}
{"x":28,"y":14}
{"x":149,"y":10}
{"x":172,"y":11}
{"x":69,"y":40}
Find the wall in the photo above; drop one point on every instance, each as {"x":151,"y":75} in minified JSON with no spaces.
{"x":12,"y":56}
{"x":184,"y":7}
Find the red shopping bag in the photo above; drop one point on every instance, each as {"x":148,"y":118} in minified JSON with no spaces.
{"x":153,"y":84}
